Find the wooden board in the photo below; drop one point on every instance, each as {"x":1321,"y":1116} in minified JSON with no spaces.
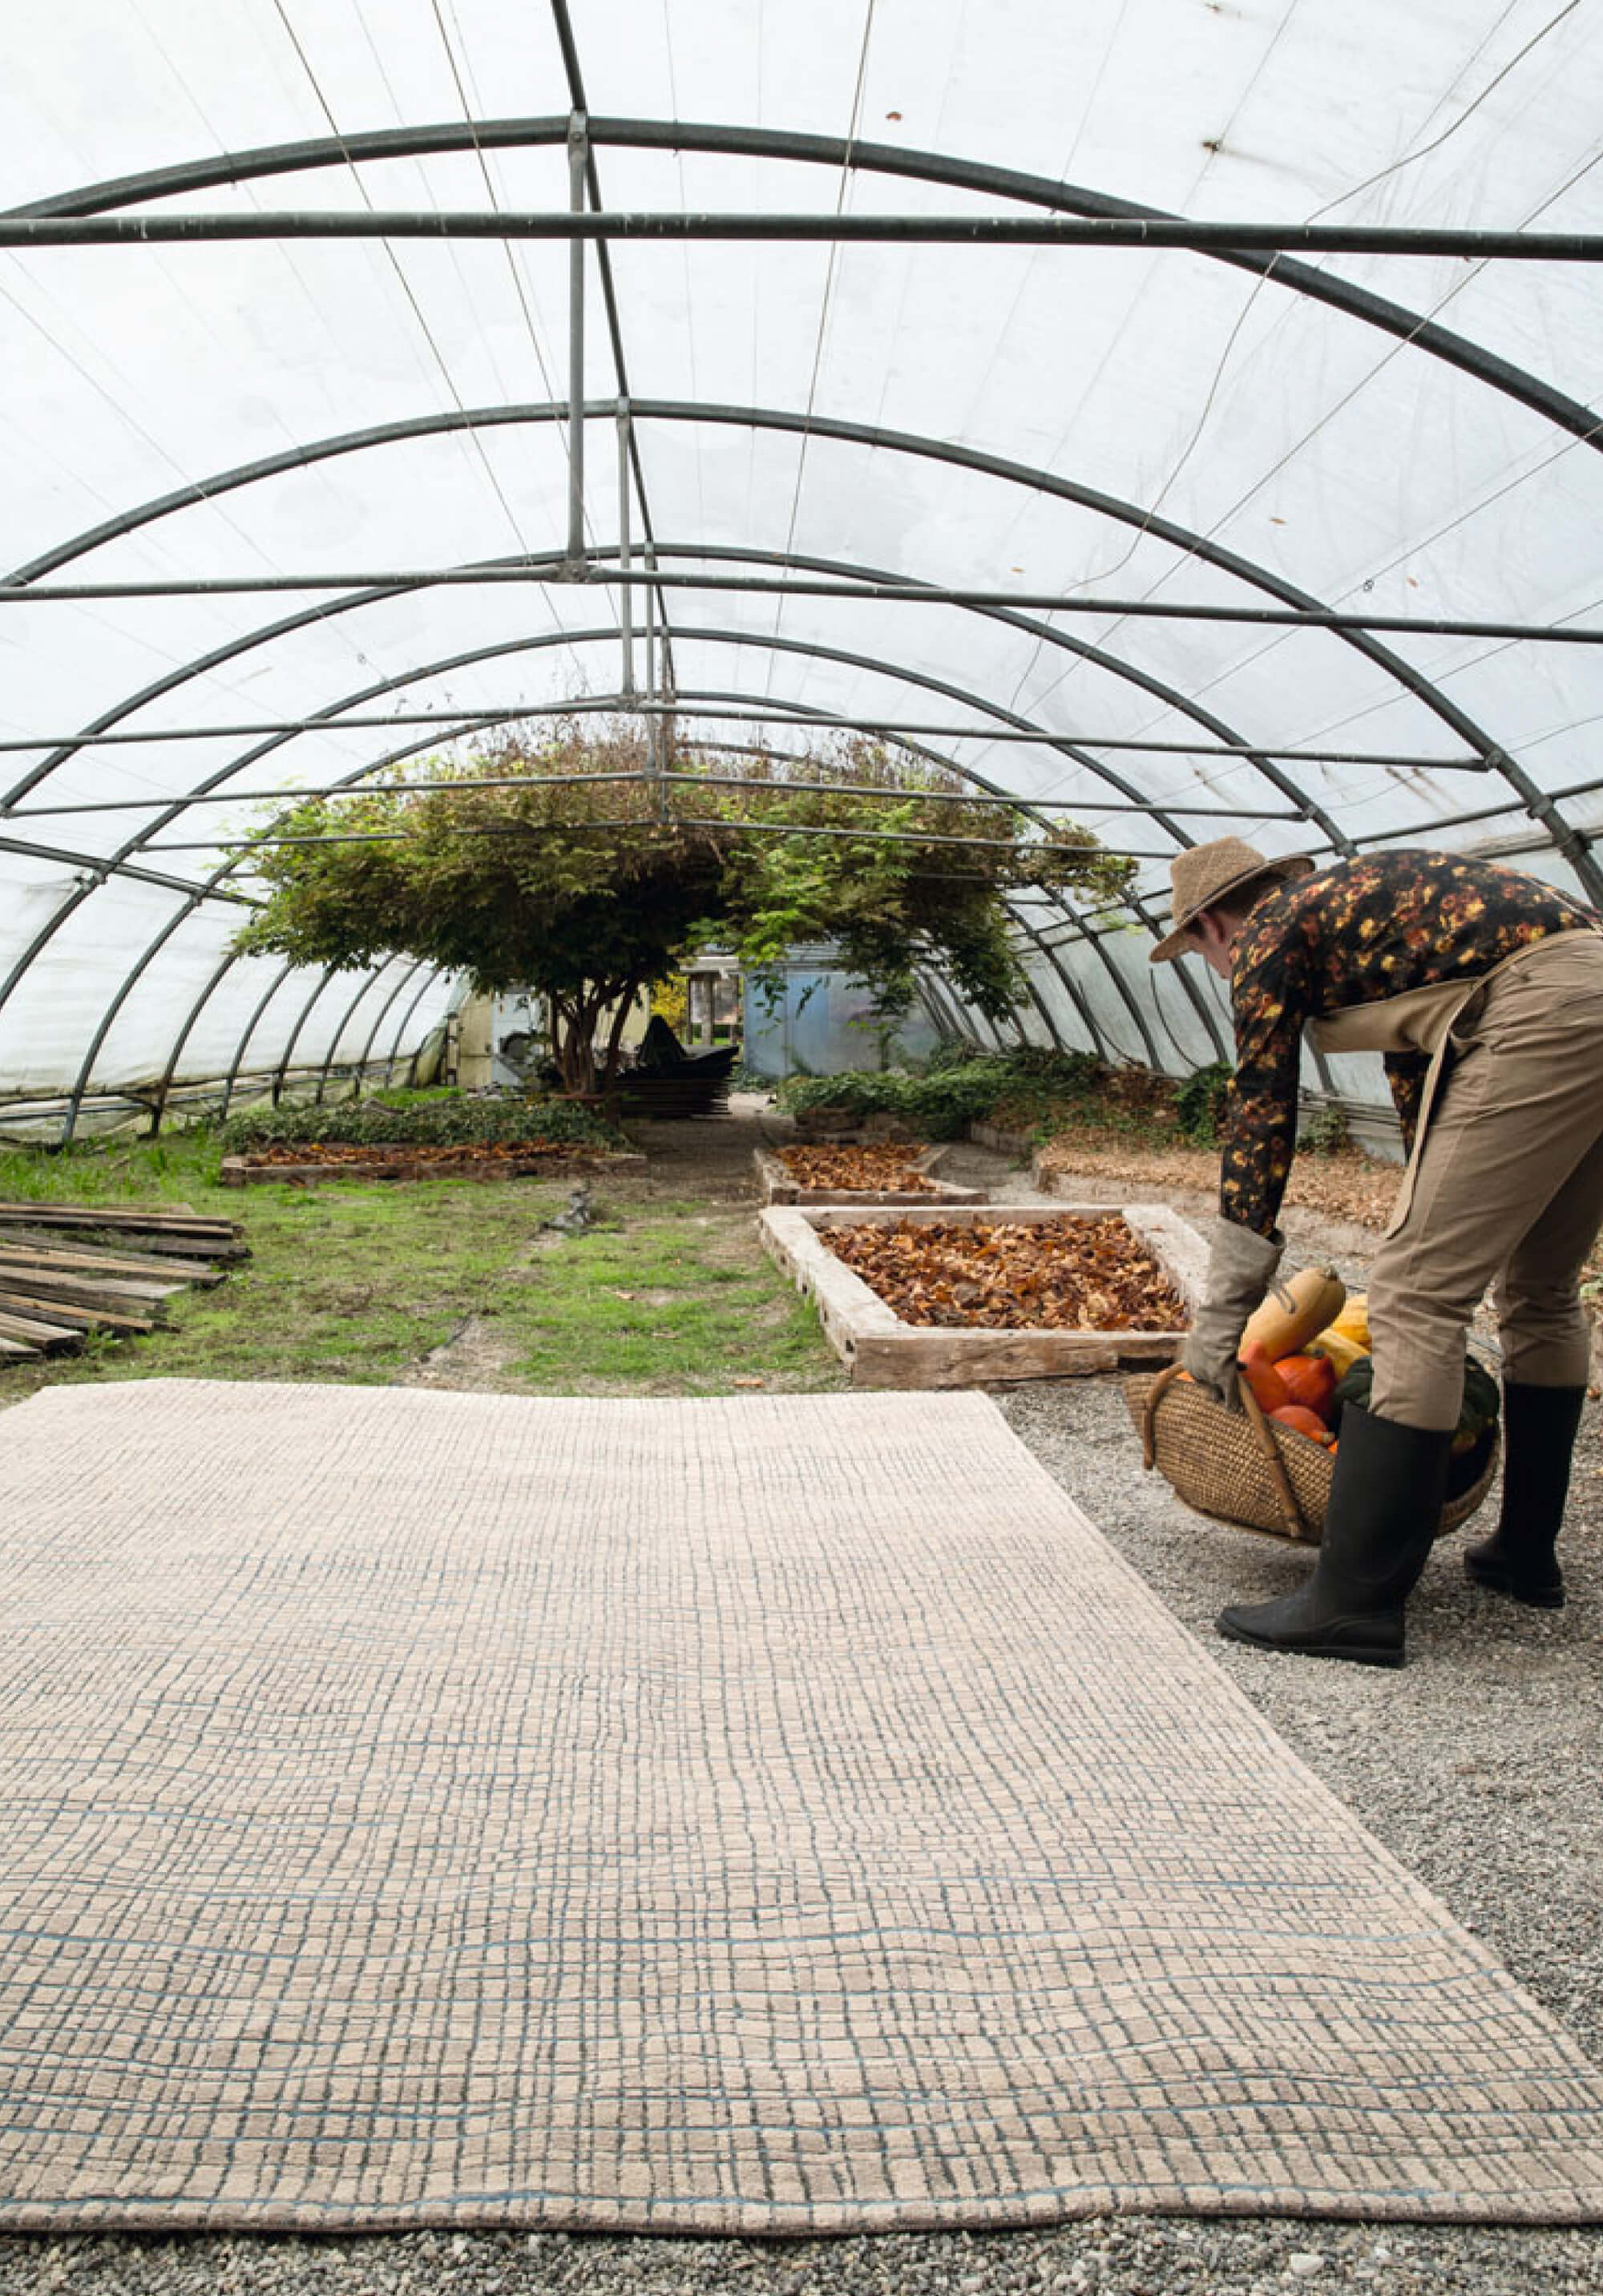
{"x":112,"y":1216}
{"x":778,"y":1187}
{"x":72,"y":1313}
{"x":48,"y":1339}
{"x":174,"y":1272}
{"x":19,"y":1272}
{"x":243,"y":1171}
{"x":880,"y":1350}
{"x":51,"y":1295}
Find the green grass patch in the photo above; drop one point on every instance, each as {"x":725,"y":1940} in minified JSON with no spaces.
{"x":680,"y":1301}
{"x":361,"y":1282}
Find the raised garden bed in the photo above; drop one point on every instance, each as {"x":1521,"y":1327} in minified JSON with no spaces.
{"x":1147,"y":1260}
{"x":307,"y":1162}
{"x":857,"y":1172}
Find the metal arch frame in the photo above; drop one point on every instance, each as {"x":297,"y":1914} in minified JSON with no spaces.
{"x":853,"y":433}
{"x":579,"y":138}
{"x":536,"y":643}
{"x":329,"y":975}
{"x":408,"y":972}
{"x":401,"y":1026}
{"x":391,"y":1057}
{"x":260,"y":1007}
{"x":226,"y":963}
{"x":539,"y":643}
{"x":1569,"y":841}
{"x":224,"y":966}
{"x":418,"y":965}
{"x":833,"y":152}
{"x":1062,"y":745}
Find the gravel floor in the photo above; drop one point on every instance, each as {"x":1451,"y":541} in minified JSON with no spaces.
{"x":1478,"y":1765}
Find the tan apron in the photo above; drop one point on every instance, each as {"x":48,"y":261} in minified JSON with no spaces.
{"x":1418,"y":1020}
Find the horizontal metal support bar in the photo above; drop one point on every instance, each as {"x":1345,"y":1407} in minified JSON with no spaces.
{"x":777,"y":586}
{"x":101,"y":868}
{"x":298,"y":793}
{"x":1022,"y":803}
{"x":951,"y":230}
{"x":1418,"y":830}
{"x":674,"y":821}
{"x":349,"y":790}
{"x":626,"y":705}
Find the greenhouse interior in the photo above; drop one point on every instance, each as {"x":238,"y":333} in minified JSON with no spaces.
{"x":694,"y":614}
{"x":1294,"y":541}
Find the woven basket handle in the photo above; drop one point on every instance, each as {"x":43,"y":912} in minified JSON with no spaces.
{"x":1285,"y":1498}
{"x":1291,"y":1514}
{"x":1149,"y":1439}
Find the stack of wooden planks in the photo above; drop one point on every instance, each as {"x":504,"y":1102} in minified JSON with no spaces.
{"x":70,"y":1269}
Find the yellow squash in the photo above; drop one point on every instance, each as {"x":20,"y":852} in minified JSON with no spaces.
{"x":1343,"y":1352}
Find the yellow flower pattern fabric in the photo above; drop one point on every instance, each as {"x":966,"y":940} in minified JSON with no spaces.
{"x":1364,"y":930}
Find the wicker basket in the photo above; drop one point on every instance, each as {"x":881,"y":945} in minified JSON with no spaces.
{"x":1238,"y":1466}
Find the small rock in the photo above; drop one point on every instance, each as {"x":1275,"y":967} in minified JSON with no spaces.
{"x":1304,"y":2262}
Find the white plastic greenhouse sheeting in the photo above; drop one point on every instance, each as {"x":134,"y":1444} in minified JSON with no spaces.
{"x":1239,"y":442}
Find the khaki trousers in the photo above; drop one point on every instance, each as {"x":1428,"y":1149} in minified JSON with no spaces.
{"x":1509,"y":1192}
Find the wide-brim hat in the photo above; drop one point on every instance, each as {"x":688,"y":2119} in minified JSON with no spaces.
{"x":1212,"y":872}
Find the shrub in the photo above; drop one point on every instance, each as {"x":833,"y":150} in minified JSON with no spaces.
{"x":1199,"y":1103}
{"x":940,"y":1102}
{"x":1323,"y":1133}
{"x":435,"y":1119}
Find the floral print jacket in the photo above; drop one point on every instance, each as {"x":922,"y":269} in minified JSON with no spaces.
{"x":1366,"y":928}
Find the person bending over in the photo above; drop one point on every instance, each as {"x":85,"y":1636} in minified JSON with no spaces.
{"x":1484,"y":989}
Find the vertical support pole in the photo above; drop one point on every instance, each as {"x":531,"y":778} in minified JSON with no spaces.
{"x":579,"y":152}
{"x":654,"y":724}
{"x":626,"y":598}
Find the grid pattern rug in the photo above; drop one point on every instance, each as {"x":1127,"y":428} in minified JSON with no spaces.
{"x":766,"y":1815}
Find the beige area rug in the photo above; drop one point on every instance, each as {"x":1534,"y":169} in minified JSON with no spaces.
{"x":771,"y":1815}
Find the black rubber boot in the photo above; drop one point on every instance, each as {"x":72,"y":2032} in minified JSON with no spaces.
{"x":1540,"y":1425}
{"x":1385,"y":1502}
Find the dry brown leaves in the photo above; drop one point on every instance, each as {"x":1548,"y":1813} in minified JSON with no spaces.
{"x":442,"y":1157}
{"x":1347,"y":1185}
{"x":854,"y":1166}
{"x":1071,"y":1273}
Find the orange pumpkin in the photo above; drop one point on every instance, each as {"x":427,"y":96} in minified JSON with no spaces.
{"x":1306,"y":1422}
{"x":1263,"y":1379}
{"x":1309,"y":1380}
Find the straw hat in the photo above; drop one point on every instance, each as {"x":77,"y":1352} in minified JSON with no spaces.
{"x":1212,"y":872}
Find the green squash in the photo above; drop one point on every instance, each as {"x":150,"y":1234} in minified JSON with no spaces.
{"x":1477,"y":1419}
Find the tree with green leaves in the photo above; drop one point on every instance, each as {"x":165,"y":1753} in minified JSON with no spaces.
{"x":571,"y":865}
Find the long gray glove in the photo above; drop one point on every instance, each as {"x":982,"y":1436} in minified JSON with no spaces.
{"x":1241,"y":1267}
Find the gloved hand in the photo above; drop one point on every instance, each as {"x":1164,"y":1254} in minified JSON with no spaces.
{"x":1241,"y":1267}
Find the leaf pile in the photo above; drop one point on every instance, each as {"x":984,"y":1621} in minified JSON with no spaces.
{"x":1072,"y":1274}
{"x":466,"y":1156}
{"x":851,"y":1165}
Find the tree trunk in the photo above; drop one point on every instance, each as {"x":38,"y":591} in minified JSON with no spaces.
{"x":571,"y":1032}
{"x":614,"y":1043}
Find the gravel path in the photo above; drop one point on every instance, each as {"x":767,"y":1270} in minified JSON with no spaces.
{"x":1478,"y":1765}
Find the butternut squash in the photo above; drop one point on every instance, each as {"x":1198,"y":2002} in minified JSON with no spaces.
{"x":1294,"y":1311}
